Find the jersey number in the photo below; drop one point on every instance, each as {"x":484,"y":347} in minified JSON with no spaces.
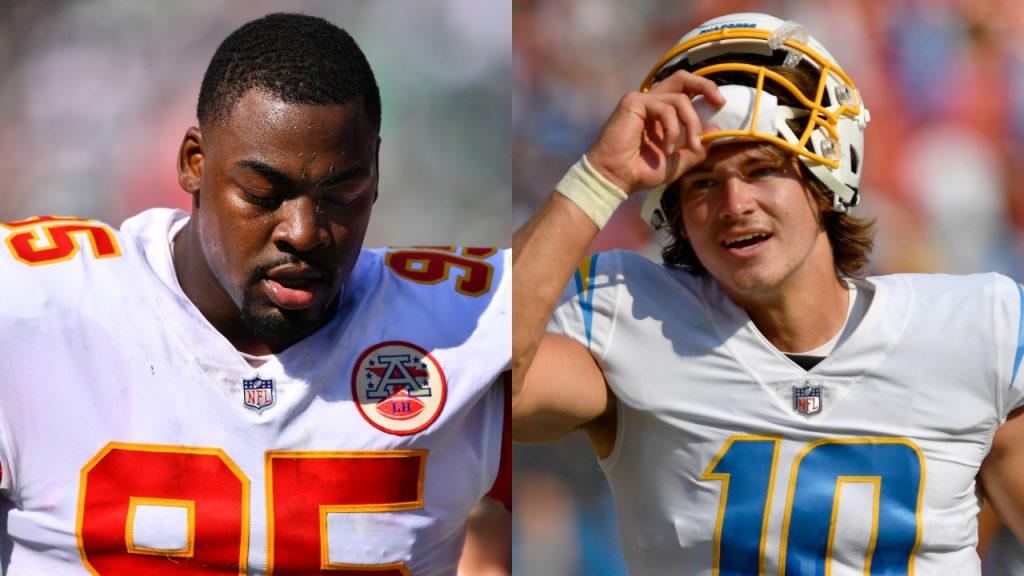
{"x":431,"y":265}
{"x":52,"y":239}
{"x":893,"y":469}
{"x":212,"y":495}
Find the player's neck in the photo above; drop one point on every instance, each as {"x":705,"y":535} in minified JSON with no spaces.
{"x":209,"y":297}
{"x":802,"y":315}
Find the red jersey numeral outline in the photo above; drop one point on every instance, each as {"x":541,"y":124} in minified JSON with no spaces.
{"x":434,"y":264}
{"x":45,"y":240}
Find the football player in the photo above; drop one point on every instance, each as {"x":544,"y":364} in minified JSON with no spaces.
{"x":244,"y":389}
{"x":757,"y":404}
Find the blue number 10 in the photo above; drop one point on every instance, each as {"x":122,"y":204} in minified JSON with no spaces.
{"x":894,"y":467}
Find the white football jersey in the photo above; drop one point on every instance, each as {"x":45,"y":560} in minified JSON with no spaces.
{"x":731,"y":459}
{"x":134,"y":439}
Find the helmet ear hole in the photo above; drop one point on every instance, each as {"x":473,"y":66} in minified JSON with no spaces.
{"x":854,"y":160}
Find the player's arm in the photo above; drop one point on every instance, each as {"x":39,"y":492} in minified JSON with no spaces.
{"x":649,"y":140}
{"x":545,"y":252}
{"x":1002,"y":473}
{"x":988,"y":525}
{"x":578,"y":398}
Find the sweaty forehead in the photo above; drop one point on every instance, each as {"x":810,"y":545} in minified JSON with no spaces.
{"x":262,"y":125}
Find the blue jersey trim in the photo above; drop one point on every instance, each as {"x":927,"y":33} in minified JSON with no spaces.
{"x":585,"y":292}
{"x":1020,"y":337}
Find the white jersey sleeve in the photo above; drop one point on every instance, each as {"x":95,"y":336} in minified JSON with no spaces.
{"x":1008,"y":324}
{"x":731,"y":458}
{"x":1004,"y":555}
{"x":587,"y":309}
{"x":134,"y":439}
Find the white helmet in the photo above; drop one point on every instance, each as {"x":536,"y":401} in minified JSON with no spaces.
{"x":831,"y":142}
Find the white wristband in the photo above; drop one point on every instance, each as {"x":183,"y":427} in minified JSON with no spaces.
{"x":585,"y":187}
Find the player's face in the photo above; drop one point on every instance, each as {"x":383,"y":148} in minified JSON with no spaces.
{"x":753,"y":222}
{"x":283,"y":204}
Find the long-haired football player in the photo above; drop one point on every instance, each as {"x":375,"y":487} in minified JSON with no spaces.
{"x":757,"y":404}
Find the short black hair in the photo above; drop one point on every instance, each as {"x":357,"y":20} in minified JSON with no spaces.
{"x":298,"y":58}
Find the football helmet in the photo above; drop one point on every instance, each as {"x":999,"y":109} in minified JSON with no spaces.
{"x":829,"y":138}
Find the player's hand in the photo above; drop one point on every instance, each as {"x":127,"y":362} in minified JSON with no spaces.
{"x":653,"y":138}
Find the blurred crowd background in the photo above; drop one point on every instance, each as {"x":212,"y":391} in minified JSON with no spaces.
{"x":95,"y":96}
{"x":944,"y":172}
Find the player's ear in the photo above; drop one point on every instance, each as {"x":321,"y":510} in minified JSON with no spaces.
{"x":190,"y":161}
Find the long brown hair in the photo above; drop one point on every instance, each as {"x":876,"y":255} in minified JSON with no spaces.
{"x":851,"y":237}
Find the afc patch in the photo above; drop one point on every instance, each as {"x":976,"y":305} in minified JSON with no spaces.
{"x":807,"y":399}
{"x":258,"y":394}
{"x":398,"y":387}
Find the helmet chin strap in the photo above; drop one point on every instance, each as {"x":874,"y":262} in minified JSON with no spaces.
{"x":652,"y":211}
{"x":843,"y":198}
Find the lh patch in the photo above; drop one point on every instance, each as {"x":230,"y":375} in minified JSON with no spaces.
{"x":398,"y":387}
{"x":258,"y":394}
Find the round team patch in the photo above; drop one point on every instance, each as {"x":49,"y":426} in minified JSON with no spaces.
{"x":398,"y":387}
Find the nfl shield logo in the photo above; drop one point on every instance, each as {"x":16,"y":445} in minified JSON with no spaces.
{"x":807,"y":399}
{"x":258,"y":393}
